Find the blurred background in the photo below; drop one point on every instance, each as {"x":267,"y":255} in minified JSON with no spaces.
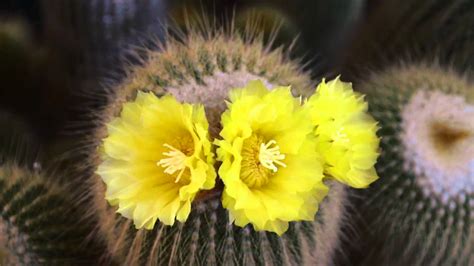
{"x":57,"y":57}
{"x":55,"y":52}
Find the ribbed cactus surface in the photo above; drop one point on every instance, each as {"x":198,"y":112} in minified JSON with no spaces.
{"x":208,"y":237}
{"x":39,"y":223}
{"x":421,"y":211}
{"x":202,"y":68}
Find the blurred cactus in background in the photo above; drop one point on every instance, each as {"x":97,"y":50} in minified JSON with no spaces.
{"x":413,"y":60}
{"x":421,"y":212}
{"x":319,"y":30}
{"x":413,"y":30}
{"x":39,"y":223}
{"x":96,"y":35}
{"x":324,"y":26}
{"x":277,"y":28}
{"x":32,"y":79}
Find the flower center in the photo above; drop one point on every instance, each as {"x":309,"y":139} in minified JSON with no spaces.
{"x":259,"y":161}
{"x":438,"y":140}
{"x":176,"y":161}
{"x":268,"y":157}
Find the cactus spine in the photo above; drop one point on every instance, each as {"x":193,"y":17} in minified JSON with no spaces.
{"x":421,"y":212}
{"x":39,"y":222}
{"x":202,"y":68}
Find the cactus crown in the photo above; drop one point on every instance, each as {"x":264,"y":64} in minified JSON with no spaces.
{"x":426,"y":187}
{"x":201,"y":68}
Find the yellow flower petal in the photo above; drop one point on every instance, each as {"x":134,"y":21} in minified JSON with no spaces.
{"x":156,"y":158}
{"x":270,"y":165}
{"x":346,"y":133}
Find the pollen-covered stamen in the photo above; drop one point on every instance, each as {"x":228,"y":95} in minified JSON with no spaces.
{"x":175,"y":162}
{"x":268,"y":157}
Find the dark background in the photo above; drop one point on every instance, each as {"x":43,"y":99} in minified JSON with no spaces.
{"x":73,"y":47}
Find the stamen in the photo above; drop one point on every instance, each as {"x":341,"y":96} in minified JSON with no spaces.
{"x":175,"y":162}
{"x":270,"y":156}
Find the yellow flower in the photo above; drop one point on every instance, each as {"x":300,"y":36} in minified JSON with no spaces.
{"x":346,"y":133}
{"x":156,"y":157}
{"x":270,"y":166}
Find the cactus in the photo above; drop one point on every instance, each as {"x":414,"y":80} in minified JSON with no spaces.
{"x":201,"y":68}
{"x":334,"y":20}
{"x":16,"y":140}
{"x":420,"y":30}
{"x":38,"y":219}
{"x":276,"y":26}
{"x":39,"y":222}
{"x":323,"y":28}
{"x":421,"y":211}
{"x":274,"y":23}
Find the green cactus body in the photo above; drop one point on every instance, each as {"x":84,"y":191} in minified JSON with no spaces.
{"x":421,"y":212}
{"x":202,"y":69}
{"x":208,"y":237}
{"x":38,"y":222}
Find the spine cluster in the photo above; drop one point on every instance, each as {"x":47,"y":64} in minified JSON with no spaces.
{"x":202,"y":70}
{"x":422,"y":210}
